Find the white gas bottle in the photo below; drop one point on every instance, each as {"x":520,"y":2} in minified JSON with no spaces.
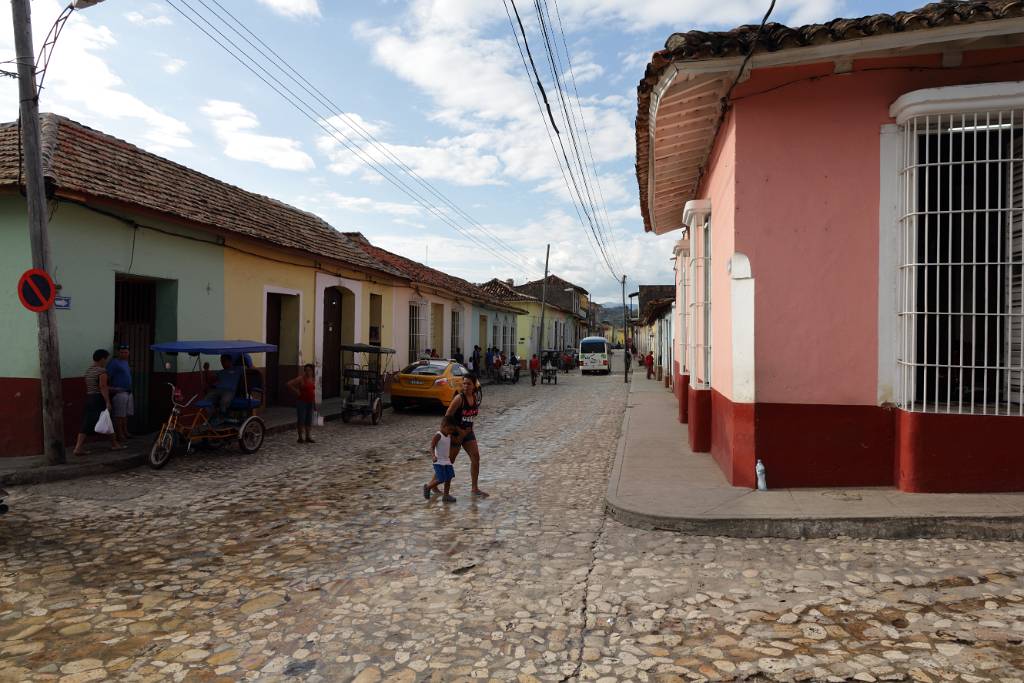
{"x":762,"y":484}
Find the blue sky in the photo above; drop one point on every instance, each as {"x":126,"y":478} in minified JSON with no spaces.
{"x":439,"y":82}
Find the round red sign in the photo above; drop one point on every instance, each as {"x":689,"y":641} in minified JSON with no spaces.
{"x":36,"y":290}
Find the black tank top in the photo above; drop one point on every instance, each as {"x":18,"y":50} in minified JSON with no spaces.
{"x":465,"y":414}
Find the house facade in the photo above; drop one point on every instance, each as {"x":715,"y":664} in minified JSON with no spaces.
{"x":560,"y":324}
{"x":148,"y":251}
{"x":849,"y":290}
{"x":437,"y":311}
{"x":571,"y":304}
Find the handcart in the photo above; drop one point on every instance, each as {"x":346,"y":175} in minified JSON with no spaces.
{"x":550,"y":361}
{"x":365,"y":381}
{"x":191,"y":423}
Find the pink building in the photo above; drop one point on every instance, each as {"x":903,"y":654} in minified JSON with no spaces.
{"x":850,"y":266}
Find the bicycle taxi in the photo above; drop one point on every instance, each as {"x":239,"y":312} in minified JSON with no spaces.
{"x":365,"y":381}
{"x":190,"y":425}
{"x":550,"y":362}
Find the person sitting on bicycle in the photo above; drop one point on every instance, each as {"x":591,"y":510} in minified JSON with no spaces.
{"x":223,"y":390}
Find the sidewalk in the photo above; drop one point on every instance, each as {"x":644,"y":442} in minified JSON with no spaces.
{"x":33,"y":469}
{"x":657,"y":482}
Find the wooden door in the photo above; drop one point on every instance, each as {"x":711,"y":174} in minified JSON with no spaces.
{"x":331,"y":379}
{"x":273,"y":336}
{"x":134,"y":324}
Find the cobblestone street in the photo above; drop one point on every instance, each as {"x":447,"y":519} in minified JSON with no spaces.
{"x":324,"y":563}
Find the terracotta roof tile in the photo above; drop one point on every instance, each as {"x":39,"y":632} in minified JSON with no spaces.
{"x":502,"y":291}
{"x":694,"y":45}
{"x":81,"y":161}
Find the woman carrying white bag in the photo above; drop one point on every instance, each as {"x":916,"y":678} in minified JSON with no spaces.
{"x":97,"y":404}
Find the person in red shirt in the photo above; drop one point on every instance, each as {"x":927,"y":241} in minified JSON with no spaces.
{"x":649,"y":362}
{"x":534,"y":369}
{"x":304,"y":387}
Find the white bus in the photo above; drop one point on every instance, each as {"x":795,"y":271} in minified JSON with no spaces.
{"x":595,"y":355}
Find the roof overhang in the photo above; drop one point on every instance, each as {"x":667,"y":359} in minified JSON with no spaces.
{"x":680,"y":115}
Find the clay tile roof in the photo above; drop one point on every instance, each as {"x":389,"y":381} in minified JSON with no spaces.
{"x":419,"y":273}
{"x":502,"y":291}
{"x":79,"y":161}
{"x":703,"y":45}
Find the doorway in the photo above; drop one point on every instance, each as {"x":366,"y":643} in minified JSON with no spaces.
{"x":331,"y":375}
{"x":376,"y":313}
{"x":437,"y":329}
{"x":482,"y":333}
{"x":282,"y":330}
{"x":135,"y":325}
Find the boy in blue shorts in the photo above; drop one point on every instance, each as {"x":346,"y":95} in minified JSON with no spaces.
{"x":440,"y":451}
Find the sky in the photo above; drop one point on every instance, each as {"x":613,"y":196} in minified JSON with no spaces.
{"x":438,"y":83}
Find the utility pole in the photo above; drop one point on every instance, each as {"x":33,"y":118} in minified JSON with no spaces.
{"x":35,"y":191}
{"x":543,"y":301}
{"x":625,"y":344}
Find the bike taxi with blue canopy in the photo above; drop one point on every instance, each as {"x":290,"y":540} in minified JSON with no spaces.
{"x":198,"y":422}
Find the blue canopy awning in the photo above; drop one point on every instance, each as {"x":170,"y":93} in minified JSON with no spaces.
{"x":214,"y":347}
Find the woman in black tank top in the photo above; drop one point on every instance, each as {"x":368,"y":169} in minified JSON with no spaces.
{"x":465,"y":407}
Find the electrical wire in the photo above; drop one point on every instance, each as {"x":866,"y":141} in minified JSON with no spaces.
{"x":567,"y":172}
{"x":353,"y":123}
{"x":325,"y":123}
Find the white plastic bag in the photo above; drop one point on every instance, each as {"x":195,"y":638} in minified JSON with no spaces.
{"x":104,"y":424}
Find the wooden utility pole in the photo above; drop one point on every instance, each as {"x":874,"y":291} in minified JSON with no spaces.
{"x":35,"y":192}
{"x":625,"y":343}
{"x":543,"y":301}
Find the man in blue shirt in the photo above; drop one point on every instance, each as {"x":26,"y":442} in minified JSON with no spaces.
{"x":224,"y":388}
{"x":119,"y":380}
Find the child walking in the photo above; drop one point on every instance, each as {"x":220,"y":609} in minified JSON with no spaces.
{"x":304,"y":387}
{"x":440,"y":449}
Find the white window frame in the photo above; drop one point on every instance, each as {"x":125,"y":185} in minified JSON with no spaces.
{"x":936,"y":374}
{"x":697,"y":218}
{"x":419,"y":328}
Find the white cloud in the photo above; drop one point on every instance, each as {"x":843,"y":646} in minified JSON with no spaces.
{"x":234,"y":124}
{"x":293,"y":9}
{"x":140,"y":19}
{"x":80,"y":82}
{"x":174,"y":65}
{"x":368,"y":205}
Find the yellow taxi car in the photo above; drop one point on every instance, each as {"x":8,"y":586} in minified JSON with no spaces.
{"x":427,"y":382}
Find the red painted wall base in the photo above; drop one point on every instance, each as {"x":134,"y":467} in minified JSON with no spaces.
{"x":699,"y":413}
{"x":959,"y":453}
{"x":683,"y":397}
{"x":732,"y":439}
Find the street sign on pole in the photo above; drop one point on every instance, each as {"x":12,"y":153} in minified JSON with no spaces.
{"x":36,"y":290}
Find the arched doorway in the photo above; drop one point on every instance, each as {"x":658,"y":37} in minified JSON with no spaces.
{"x":338,"y":329}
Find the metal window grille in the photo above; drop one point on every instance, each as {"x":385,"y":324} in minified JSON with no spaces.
{"x":417,"y":330}
{"x":961,"y":314}
{"x":699,"y":319}
{"x":456,"y":337}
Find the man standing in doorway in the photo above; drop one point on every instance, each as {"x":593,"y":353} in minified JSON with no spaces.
{"x":119,"y":381}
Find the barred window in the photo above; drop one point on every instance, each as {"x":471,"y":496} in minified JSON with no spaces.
{"x":961,"y":315}
{"x":417,"y":330}
{"x":456,"y":336}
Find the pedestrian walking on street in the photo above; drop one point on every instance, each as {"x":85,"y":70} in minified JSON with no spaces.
{"x":304,"y":387}
{"x":474,"y":359}
{"x":122,"y":403}
{"x":534,"y":369}
{"x":649,"y":362}
{"x":97,"y":399}
{"x":489,"y":360}
{"x":441,"y":456}
{"x":464,"y":408}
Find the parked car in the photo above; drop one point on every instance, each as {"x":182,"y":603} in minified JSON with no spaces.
{"x":427,"y":382}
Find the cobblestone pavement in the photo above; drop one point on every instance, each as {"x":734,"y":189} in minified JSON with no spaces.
{"x":324,"y":563}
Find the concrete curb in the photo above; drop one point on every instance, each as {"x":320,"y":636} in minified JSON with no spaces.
{"x":47,"y":474}
{"x":977,"y":527}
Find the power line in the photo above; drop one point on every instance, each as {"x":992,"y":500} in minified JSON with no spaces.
{"x":567,"y":172}
{"x":353,"y":123}
{"x":569,"y":116}
{"x":325,"y":123}
{"x":586,"y":138}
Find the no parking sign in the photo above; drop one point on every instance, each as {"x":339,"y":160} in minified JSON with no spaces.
{"x":36,"y":290}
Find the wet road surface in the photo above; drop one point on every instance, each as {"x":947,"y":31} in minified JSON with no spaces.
{"x":324,"y":563}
